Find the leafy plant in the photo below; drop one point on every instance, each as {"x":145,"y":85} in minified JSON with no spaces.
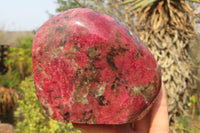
{"x":19,"y":63}
{"x":189,"y":123}
{"x":69,"y":4}
{"x":20,"y":58}
{"x":186,"y":124}
{"x":193,"y":102}
{"x":25,"y":43}
{"x":11,"y":79}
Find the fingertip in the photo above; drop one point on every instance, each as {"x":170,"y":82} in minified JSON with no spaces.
{"x":143,"y":124}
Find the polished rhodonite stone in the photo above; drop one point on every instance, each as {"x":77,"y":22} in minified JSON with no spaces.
{"x":89,"y":68}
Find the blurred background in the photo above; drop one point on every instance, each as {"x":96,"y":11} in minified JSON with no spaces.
{"x":169,"y":28}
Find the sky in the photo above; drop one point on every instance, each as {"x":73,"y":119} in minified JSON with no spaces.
{"x":26,"y":15}
{"x":23,"y":15}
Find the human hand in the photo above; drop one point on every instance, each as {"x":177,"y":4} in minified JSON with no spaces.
{"x":156,"y":121}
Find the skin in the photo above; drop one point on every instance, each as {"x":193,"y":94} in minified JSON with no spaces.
{"x":156,"y":121}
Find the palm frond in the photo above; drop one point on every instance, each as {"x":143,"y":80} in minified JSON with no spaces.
{"x":136,"y":4}
{"x":142,"y":5}
{"x":142,"y":9}
{"x":126,"y":2}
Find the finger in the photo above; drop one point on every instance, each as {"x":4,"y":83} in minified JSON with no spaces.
{"x":142,"y":126}
{"x":159,"y":114}
{"x":86,"y":128}
{"x":124,"y":128}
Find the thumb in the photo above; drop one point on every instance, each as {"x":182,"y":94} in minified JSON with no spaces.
{"x":159,"y":121}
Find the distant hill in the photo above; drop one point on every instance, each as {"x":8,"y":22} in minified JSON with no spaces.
{"x":10,"y":37}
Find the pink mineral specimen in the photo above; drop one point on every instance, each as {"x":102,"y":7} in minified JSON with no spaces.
{"x":89,"y":68}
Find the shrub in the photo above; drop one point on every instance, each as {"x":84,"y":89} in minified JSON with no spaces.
{"x":19,"y":63}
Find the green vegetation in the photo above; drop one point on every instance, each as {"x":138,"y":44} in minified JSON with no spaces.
{"x":69,"y":4}
{"x":19,"y":64}
{"x":189,"y":123}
